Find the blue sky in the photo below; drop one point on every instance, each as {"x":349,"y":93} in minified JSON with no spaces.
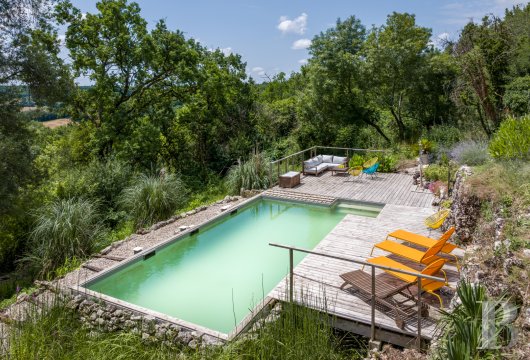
{"x":272,"y":36}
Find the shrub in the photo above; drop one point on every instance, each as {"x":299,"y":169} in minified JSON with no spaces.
{"x":512,"y":140}
{"x":387,"y":161}
{"x":517,"y":96}
{"x":461,"y":328}
{"x":252,"y":174}
{"x":435,"y":172}
{"x":153,"y":198}
{"x":63,"y":229}
{"x":444,"y":135}
{"x":470,"y":153}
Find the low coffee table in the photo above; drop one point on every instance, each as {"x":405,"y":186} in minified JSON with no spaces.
{"x":289,"y":179}
{"x":336,"y":170}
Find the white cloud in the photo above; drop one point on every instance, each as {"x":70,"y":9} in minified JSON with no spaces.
{"x":258,"y":70}
{"x":296,"y":26}
{"x":301,"y":44}
{"x":227,"y":50}
{"x":461,"y":12}
{"x":302,"y":61}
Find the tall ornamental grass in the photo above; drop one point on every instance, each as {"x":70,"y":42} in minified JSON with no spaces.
{"x":153,"y":198}
{"x":63,"y":229}
{"x":298,"y":333}
{"x":250,"y":175}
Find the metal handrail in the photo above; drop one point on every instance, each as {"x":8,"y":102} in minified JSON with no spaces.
{"x":360,"y":262}
{"x":288,"y":156}
{"x":353,"y":149}
{"x":373,"y":297}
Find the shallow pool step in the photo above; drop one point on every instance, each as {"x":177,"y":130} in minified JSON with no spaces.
{"x":298,"y":196}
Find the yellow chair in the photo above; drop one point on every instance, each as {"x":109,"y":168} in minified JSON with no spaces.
{"x":427,"y":285}
{"x":370,"y":163}
{"x":356,"y":171}
{"x":437,"y":219}
{"x":427,"y":242}
{"x":421,"y":257}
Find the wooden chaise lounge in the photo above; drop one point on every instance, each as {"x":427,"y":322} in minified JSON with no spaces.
{"x":384,"y":294}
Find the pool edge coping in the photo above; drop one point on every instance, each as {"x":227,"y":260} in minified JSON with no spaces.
{"x":243,"y":325}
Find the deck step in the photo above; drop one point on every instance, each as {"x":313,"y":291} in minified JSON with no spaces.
{"x":278,"y":193}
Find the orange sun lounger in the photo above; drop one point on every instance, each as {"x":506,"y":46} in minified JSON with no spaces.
{"x":427,"y":242}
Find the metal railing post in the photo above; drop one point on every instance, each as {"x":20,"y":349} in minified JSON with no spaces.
{"x":291,"y":275}
{"x":372,"y":325}
{"x":270,"y":175}
{"x":418,"y":340}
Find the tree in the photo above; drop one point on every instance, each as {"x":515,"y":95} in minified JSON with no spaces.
{"x":396,"y":56}
{"x":334,"y":95}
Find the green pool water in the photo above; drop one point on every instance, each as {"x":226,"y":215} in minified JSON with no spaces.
{"x":215,"y":278}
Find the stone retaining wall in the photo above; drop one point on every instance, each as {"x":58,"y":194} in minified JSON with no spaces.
{"x":99,"y":316}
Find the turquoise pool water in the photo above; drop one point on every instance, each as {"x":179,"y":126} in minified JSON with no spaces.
{"x":215,"y":277}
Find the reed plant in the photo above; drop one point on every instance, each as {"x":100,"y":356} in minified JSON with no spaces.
{"x":250,"y":175}
{"x":63,"y":229}
{"x":153,"y":198}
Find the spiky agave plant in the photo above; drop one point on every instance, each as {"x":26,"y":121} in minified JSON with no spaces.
{"x":461,"y":328}
{"x":153,"y":198}
{"x":63,"y":229}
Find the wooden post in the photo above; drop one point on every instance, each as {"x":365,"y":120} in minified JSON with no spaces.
{"x":418,"y":340}
{"x":372,"y":328}
{"x":291,"y":275}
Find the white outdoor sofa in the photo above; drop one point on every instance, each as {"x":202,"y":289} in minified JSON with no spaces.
{"x":321,"y":163}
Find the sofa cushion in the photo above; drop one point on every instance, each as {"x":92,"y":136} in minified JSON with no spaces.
{"x":311,"y":163}
{"x":327,"y":158}
{"x":319,"y":157}
{"x":339,"y":159}
{"x":322,"y":167}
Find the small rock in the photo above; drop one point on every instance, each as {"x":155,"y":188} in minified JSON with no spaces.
{"x":100,"y":321}
{"x":226,"y":207}
{"x":183,"y":227}
{"x":193,"y":344}
{"x":105,"y":251}
{"x":526,"y":252}
{"x":145,"y":336}
{"x":137,"y":250}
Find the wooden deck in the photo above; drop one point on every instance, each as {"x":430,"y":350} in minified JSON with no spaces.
{"x":317,"y":281}
{"x":392,"y":188}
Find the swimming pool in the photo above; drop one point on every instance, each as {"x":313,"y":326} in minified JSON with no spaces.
{"x":216,"y":276}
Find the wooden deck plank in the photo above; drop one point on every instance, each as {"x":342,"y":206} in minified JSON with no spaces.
{"x":317,"y":281}
{"x":386,"y":188}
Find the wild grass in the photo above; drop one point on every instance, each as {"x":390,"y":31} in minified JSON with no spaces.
{"x":64,"y":229}
{"x":250,"y":175}
{"x":153,"y":198}
{"x":298,"y":333}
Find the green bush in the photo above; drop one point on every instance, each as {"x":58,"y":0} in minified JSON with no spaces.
{"x":471,"y":153}
{"x":153,"y":198}
{"x":436,"y":172}
{"x":387,"y":161}
{"x":517,"y":96}
{"x":512,"y":140}
{"x":252,"y":174}
{"x":63,"y":229}
{"x":444,"y":135}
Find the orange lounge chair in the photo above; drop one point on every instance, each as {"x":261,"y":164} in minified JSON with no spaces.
{"x":427,"y":285}
{"x":427,"y":242}
{"x":421,"y":257}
